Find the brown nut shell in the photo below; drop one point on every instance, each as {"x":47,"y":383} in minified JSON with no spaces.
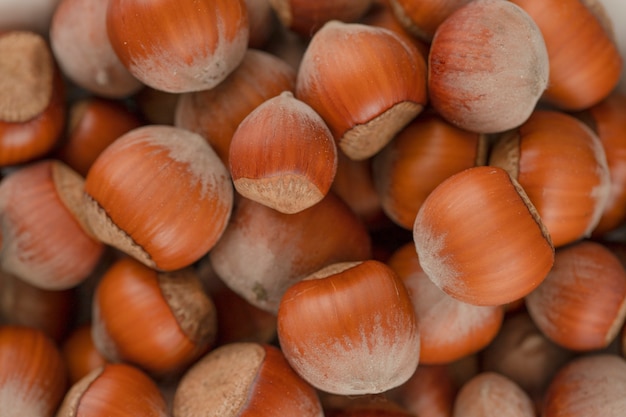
{"x":178,"y":47}
{"x":263,"y":251}
{"x":581,"y":305}
{"x":490,"y":394}
{"x":430,"y":391}
{"x":487,"y":67}
{"x":160,"y":194}
{"x":215,"y":113}
{"x":161,"y":322}
{"x":44,"y":242}
{"x":480,"y":240}
{"x":420,"y":157}
{"x":449,"y":329}
{"x":33,"y":377}
{"x":80,"y":353}
{"x":114,"y":390}
{"x":240,"y":379}
{"x":585,"y":63}
{"x":589,"y":385}
{"x":305,"y":17}
{"x":23,"y":304}
{"x":79,"y":40}
{"x":340,"y":60}
{"x":283,"y":155}
{"x":562,"y":166}
{"x":93,"y":124}
{"x":422,"y":18}
{"x":607,"y":121}
{"x":350,"y":329}
{"x":32,"y":98}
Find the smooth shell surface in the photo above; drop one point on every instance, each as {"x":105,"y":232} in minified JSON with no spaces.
{"x":344,"y":76}
{"x":479,"y":239}
{"x":581,"y":305}
{"x":283,"y":155}
{"x":350,"y":329}
{"x":179,"y":47}
{"x":562,"y":166}
{"x":591,"y":385}
{"x":487,"y":67}
{"x":160,"y":194}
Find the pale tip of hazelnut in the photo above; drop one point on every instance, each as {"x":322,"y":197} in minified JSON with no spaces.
{"x":288,"y":194}
{"x":367,"y":139}
{"x":194,"y":311}
{"x":26,"y":73}
{"x":100,"y":225}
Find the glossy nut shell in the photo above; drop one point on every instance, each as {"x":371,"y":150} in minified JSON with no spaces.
{"x":179,"y":47}
{"x":480,"y":240}
{"x":160,"y":194}
{"x":350,"y":329}
{"x":562,"y":166}
{"x":339,"y":61}
{"x":160,"y":322}
{"x":283,"y":155}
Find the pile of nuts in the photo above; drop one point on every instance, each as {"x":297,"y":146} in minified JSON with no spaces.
{"x":301,"y":208}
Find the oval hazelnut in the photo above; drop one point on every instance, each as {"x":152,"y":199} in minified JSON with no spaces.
{"x":488,"y":66}
{"x":480,"y":239}
{"x":339,"y":61}
{"x":350,"y":329}
{"x":283,"y":155}
{"x":178,"y":47}
{"x":160,"y":194}
{"x":160,"y":322}
{"x":561,"y":165}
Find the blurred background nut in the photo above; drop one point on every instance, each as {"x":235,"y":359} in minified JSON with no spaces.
{"x":32,"y":98}
{"x":44,"y":241}
{"x":33,"y":378}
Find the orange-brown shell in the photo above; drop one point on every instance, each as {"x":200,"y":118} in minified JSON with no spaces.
{"x":607,"y":121}
{"x":480,"y":240}
{"x":283,"y":155}
{"x":350,"y":329}
{"x":585,"y":63}
{"x":581,"y":305}
{"x":562,"y":167}
{"x":81,"y":46}
{"x":161,"y":194}
{"x":31,"y":124}
{"x":33,"y":377}
{"x":135,"y":321}
{"x":263,"y":251}
{"x":422,"y":155}
{"x":589,"y":385}
{"x":345,"y":75}
{"x":43,"y":243}
{"x":245,"y":379}
{"x":449,"y":329}
{"x":115,"y":390}
{"x":93,"y":124}
{"x":215,"y":113}
{"x":179,"y":47}
{"x":487,"y":67}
